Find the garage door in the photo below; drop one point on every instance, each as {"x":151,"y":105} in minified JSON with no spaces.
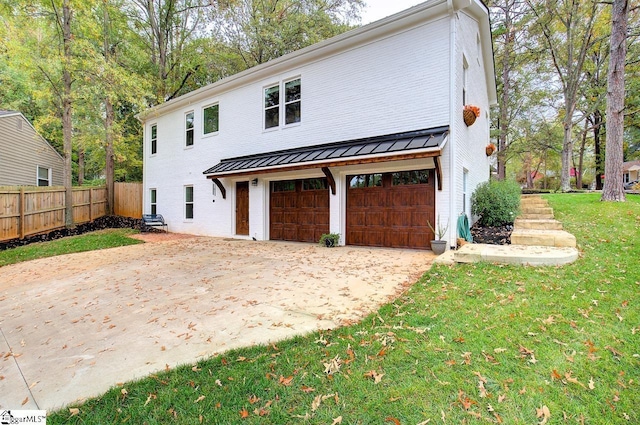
{"x":391,"y":209}
{"x":299,"y":210}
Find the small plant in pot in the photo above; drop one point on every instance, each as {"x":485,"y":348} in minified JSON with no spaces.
{"x":438,"y":245}
{"x":329,"y":240}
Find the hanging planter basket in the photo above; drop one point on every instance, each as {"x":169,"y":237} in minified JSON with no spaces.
{"x":470,"y":114}
{"x":490,"y":149}
{"x":469,"y":117}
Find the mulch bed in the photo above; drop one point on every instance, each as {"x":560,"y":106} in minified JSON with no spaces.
{"x":106,"y":222}
{"x":499,"y":235}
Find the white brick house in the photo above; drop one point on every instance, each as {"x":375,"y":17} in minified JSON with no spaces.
{"x":361,"y":134}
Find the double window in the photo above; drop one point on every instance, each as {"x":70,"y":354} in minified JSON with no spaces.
{"x":44,"y":176}
{"x":154,"y":139}
{"x":288,"y":105}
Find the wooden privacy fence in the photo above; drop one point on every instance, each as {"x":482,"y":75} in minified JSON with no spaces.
{"x":128,"y":199}
{"x":26,"y":211}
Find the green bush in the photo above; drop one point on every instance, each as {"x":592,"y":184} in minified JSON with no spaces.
{"x":496,"y":202}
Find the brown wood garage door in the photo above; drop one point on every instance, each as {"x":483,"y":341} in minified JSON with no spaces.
{"x":299,"y":210}
{"x":391,"y":209}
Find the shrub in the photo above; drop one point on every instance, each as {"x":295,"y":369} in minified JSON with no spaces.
{"x":496,"y":202}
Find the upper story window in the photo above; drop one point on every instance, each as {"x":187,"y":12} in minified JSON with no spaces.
{"x":44,"y":176}
{"x":210,"y":120}
{"x":154,"y":139}
{"x":292,"y":102}
{"x":289,"y":105}
{"x":188,"y":125}
{"x":272,"y":107}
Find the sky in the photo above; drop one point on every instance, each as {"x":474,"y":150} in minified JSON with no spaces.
{"x":378,"y":9}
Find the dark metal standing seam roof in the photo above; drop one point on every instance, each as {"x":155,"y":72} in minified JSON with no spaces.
{"x":390,"y":143}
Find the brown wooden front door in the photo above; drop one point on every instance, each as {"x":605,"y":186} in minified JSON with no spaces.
{"x":242,"y":208}
{"x":299,"y":210}
{"x":391,"y":209}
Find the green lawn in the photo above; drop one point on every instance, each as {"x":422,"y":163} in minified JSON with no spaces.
{"x":470,"y":344}
{"x":101,"y":239}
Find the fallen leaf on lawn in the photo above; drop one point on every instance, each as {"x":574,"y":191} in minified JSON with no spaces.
{"x":450,"y":362}
{"x":241,"y":359}
{"x":218,"y":383}
{"x":151,"y":397}
{"x":333,"y":366}
{"x":543,"y":414}
{"x":501,"y":398}
{"x":124,"y":392}
{"x":465,"y":401}
{"x":261,"y":412}
{"x":286,"y":381}
{"x":467,"y":358}
{"x":74,"y":411}
{"x":459,"y":340}
{"x":480,"y":377}
{"x":573,"y":380}
{"x":196,"y":369}
{"x":307,"y":390}
{"x":613,"y":351}
{"x":244,"y":413}
{"x":555,"y":375}
{"x":337,"y":420}
{"x":394,"y":420}
{"x":592,"y":384}
{"x":316,"y":403}
{"x":499,"y":350}
{"x":425,"y":422}
{"x":377,"y":377}
{"x":199,"y":399}
{"x":483,"y":390}
{"x":253,"y":399}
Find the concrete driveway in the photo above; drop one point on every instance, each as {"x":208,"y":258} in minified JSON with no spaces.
{"x":73,"y":326}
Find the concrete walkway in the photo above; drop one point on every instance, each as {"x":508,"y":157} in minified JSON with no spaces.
{"x":73,"y":326}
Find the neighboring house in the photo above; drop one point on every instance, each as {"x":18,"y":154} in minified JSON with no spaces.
{"x":26,"y":158}
{"x":631,"y":171}
{"x":361,"y":135}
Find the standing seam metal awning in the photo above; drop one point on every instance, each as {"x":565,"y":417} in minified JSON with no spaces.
{"x":428,"y":142}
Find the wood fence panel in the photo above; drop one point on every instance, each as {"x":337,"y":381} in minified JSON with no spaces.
{"x":128,"y":200}
{"x":26,"y":211}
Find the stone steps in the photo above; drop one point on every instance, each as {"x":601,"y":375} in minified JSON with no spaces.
{"x":536,"y":237}
{"x":538,"y":224}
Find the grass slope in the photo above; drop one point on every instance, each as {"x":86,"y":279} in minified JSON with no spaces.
{"x":101,"y":239}
{"x":476,"y":343}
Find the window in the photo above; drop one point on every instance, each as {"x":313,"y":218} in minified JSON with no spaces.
{"x":292,"y":102}
{"x":314,"y":184}
{"x":366,"y":180}
{"x":188,"y":202}
{"x":44,"y":176}
{"x":465,"y":179}
{"x":272,"y":107}
{"x":404,"y":178}
{"x":283,"y":186}
{"x":210,"y":119}
{"x":154,"y":139}
{"x":152,"y":196}
{"x":188,"y":124}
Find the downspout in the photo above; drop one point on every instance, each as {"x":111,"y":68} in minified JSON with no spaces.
{"x":452,"y":175}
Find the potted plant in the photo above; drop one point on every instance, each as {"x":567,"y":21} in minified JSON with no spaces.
{"x":438,"y":246}
{"x":470,"y":113}
{"x":490,"y":149}
{"x":329,"y":240}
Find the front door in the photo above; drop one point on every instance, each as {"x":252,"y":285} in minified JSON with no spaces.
{"x":242,"y":208}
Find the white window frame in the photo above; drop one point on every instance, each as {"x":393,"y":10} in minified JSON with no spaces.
{"x":153,"y":201}
{"x":187,"y":202}
{"x":204,"y":121}
{"x":153,"y":140}
{"x":38,"y":168}
{"x":188,"y":129}
{"x":465,"y":77}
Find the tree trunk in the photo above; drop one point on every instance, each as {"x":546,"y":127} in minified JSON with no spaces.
{"x":567,"y":151}
{"x":597,"y":124}
{"x":613,"y":184}
{"x":583,"y":145}
{"x":108,"y":122}
{"x":81,"y":165}
{"x":67,"y":125}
